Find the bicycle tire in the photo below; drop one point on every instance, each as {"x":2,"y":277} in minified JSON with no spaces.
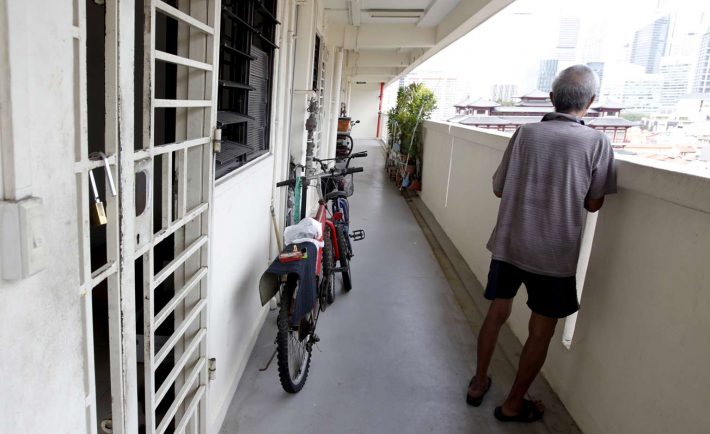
{"x":344,"y":150}
{"x":351,"y":144}
{"x":328,"y":265}
{"x":293,"y":368}
{"x":344,"y":250}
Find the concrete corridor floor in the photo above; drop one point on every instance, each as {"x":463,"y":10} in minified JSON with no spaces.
{"x":396,"y":352}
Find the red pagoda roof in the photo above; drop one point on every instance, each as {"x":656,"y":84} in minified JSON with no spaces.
{"x":609,"y":104}
{"x":536,"y":94}
{"x":464,"y":103}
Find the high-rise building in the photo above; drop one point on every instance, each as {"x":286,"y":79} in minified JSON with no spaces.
{"x":675,"y":76}
{"x":504,"y":92}
{"x":642,"y":94}
{"x":446,"y":89}
{"x":548,"y":71}
{"x":650,"y":44}
{"x":567,"y":39}
{"x":685,"y":31}
{"x":701,"y":83}
{"x":598,"y":68}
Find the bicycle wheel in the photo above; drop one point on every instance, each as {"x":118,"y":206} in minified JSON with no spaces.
{"x":328,"y":264}
{"x":293,"y":343}
{"x":345,"y":146}
{"x":349,"y":143}
{"x":345,"y":255}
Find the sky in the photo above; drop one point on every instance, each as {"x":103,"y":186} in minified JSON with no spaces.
{"x":509,"y":46}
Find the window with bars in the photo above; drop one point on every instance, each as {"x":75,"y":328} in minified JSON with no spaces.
{"x":248,"y":34}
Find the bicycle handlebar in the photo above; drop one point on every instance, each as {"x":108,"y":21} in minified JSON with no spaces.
{"x":286,"y":182}
{"x":360,"y":154}
{"x":333,"y":173}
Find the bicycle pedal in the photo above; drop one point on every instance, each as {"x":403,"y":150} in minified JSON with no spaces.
{"x":358,"y":235}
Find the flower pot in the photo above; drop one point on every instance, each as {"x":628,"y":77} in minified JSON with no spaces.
{"x":344,"y":124}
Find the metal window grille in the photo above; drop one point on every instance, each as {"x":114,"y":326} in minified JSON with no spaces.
{"x":248,"y":32}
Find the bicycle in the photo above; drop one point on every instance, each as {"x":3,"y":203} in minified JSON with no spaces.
{"x":337,"y":189}
{"x":309,"y":267}
{"x":344,"y":141}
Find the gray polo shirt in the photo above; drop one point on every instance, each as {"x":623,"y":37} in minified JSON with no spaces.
{"x":547,"y":171}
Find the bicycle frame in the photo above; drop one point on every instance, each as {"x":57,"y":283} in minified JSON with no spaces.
{"x":322,"y":217}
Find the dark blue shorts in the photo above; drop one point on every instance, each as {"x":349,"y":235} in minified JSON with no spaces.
{"x":554,"y":297}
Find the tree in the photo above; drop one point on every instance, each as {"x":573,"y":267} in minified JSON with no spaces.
{"x":415,"y":103}
{"x":633,"y":116}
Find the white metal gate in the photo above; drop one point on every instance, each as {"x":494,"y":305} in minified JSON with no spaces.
{"x":148,"y":249}
{"x":175,"y":362}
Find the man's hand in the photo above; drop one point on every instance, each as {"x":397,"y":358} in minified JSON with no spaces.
{"x":593,"y":205}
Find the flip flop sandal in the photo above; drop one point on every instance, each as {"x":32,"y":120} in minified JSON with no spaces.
{"x":470,"y":400}
{"x":529,"y":413}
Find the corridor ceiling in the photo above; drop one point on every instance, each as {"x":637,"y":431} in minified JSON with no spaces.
{"x":385,"y":39}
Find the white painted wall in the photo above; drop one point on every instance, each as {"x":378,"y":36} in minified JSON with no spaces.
{"x":639,"y":356}
{"x":243,"y":242}
{"x":240,"y":253}
{"x":41,"y":339}
{"x":364,"y":103}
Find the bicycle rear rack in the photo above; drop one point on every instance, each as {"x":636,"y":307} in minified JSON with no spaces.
{"x":358,"y":235}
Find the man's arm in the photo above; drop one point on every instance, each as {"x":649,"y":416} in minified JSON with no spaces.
{"x":499,"y":175}
{"x":593,"y":205}
{"x":603,"y":177}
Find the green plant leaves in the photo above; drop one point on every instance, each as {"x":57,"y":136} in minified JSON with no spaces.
{"x":411,"y":101}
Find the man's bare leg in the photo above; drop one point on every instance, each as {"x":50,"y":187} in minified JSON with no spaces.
{"x":541,"y":329}
{"x":498,"y":313}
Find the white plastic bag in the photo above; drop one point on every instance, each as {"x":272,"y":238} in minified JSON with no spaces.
{"x":308,"y":229}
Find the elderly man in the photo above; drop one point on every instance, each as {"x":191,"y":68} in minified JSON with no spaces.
{"x":551,"y":172}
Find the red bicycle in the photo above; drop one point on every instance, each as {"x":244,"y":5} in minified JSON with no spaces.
{"x":303,"y":276}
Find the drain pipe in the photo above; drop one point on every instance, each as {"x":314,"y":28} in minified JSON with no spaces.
{"x":379,"y":110}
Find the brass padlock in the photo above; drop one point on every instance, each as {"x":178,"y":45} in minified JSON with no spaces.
{"x":98,"y":213}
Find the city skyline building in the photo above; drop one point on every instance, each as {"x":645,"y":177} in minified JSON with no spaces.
{"x":701,"y":82}
{"x":643,"y":94}
{"x":649,"y":44}
{"x":446,"y":89}
{"x":504,"y":92}
{"x":675,"y":81}
{"x":567,"y":39}
{"x":598,"y":68}
{"x":685,"y":31}
{"x":547,"y":74}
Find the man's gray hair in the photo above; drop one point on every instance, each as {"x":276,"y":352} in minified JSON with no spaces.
{"x":574,"y":88}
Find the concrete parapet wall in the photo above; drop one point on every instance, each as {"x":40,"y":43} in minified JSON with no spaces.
{"x":638,"y":357}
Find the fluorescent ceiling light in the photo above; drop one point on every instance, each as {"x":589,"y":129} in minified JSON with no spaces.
{"x":395,"y":13}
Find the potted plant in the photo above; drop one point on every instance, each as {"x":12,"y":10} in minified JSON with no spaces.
{"x":415,"y":103}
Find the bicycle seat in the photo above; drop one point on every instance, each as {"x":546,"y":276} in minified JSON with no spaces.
{"x":335,"y":195}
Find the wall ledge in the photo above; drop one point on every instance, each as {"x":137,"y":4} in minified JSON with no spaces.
{"x":228,"y":181}
{"x":684,"y":186}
